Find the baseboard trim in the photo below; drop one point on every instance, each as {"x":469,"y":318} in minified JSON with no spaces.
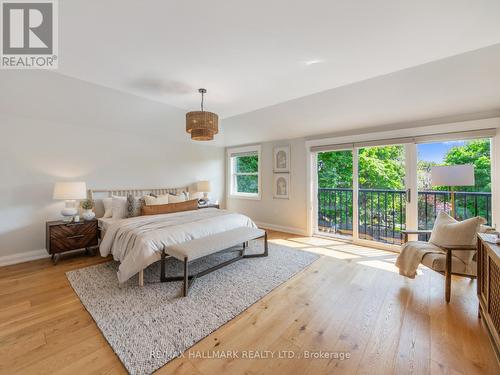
{"x":25,"y":256}
{"x":281,"y":228}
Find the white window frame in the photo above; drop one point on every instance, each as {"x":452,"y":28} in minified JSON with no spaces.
{"x":231,"y":174}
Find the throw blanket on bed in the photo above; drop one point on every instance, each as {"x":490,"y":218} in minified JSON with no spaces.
{"x":411,"y":256}
{"x":137,"y":242}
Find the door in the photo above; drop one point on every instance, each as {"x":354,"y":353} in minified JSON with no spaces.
{"x":383,"y":194}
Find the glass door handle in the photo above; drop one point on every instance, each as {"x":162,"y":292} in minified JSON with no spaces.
{"x":408,"y":195}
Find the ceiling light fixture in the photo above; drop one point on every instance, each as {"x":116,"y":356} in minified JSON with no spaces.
{"x":202,"y":125}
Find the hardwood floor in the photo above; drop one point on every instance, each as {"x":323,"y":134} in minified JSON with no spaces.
{"x":350,"y":300}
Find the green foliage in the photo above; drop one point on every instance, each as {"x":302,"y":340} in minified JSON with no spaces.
{"x":475,"y":152}
{"x":247,"y":183}
{"x":247,"y":164}
{"x":335,"y":169}
{"x":87,"y":204}
{"x":379,"y":168}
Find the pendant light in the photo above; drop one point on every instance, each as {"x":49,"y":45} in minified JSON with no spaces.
{"x":202,"y":125}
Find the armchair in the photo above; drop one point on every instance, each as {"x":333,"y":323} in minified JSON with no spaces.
{"x":450,"y":250}
{"x":442,"y":259}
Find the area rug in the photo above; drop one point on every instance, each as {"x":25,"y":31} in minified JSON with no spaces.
{"x":149,"y":326}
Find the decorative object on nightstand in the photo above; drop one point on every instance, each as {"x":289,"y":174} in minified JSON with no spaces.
{"x":87,"y":206}
{"x":69,"y":192}
{"x":204,"y":187}
{"x":63,"y":236}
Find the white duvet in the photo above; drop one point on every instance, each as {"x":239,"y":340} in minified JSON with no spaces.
{"x":137,"y":242}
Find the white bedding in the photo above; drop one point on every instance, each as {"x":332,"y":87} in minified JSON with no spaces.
{"x":137,"y":242}
{"x":104,"y":222}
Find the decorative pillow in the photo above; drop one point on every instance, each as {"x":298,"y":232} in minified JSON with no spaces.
{"x":108,"y":207}
{"x":449,"y":232}
{"x":153,"y":201}
{"x":170,"y":208}
{"x":172,"y":198}
{"x":134,"y":205}
{"x":119,"y":207}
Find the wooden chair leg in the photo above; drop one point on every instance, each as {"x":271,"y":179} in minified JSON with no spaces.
{"x":266,"y":248}
{"x":186,"y":277}
{"x":141,"y":278}
{"x":448,"y":276}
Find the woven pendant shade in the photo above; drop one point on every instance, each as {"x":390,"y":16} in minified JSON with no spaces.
{"x":202,"y":125}
{"x":202,"y":135}
{"x":202,"y":120}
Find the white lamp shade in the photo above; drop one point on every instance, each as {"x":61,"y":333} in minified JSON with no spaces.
{"x":70,"y":190}
{"x":204,"y":186}
{"x":453,"y":175}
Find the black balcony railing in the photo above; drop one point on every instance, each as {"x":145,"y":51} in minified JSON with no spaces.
{"x":382,"y":213}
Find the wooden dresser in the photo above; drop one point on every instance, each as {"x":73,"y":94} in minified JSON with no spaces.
{"x":488,"y":288}
{"x":62,"y":237}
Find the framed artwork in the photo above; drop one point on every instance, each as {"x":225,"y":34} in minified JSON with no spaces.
{"x":281,"y":159}
{"x":281,"y":186}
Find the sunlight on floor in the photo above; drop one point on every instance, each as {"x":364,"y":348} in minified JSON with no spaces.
{"x":386,"y":266}
{"x":341,"y":250}
{"x":289,"y":243}
{"x":331,"y":253}
{"x":360,"y":250}
{"x":316,"y":241}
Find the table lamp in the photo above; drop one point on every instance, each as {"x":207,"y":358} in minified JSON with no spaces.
{"x":70,"y":192}
{"x":453,"y":175}
{"x":205,"y":187}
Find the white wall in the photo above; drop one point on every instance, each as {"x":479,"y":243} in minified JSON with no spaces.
{"x":279,"y":214}
{"x":292,"y":215}
{"x":56,"y":128}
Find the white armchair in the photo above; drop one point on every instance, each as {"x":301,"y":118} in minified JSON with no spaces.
{"x":451,"y":249}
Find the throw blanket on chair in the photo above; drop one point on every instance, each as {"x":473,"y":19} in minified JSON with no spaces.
{"x":411,"y":256}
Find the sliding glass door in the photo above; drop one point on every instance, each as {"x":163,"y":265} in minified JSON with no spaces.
{"x":381,"y":193}
{"x":335,"y":193}
{"x":371,"y":192}
{"x":462,"y":202}
{"x":361,"y":193}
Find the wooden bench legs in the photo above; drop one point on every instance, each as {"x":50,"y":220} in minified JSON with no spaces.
{"x":189,"y":279}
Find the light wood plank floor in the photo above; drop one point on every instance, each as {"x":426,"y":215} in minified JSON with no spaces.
{"x":350,"y":300}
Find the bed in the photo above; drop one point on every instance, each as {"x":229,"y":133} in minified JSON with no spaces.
{"x":138,"y":242}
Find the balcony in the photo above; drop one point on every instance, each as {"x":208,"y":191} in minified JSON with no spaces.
{"x":382,"y":213}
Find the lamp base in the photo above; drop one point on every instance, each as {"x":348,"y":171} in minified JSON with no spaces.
{"x":69,"y":211}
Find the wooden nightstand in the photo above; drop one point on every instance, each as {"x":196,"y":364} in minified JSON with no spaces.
{"x":210,"y":205}
{"x":62,"y":236}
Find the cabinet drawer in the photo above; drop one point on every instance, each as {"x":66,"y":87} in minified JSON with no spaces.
{"x":58,"y":245}
{"x":73,"y":236}
{"x":72,"y":230}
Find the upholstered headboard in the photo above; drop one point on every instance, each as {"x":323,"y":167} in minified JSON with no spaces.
{"x":98,"y":194}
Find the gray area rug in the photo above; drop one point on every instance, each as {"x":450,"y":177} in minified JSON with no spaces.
{"x":149,"y":326}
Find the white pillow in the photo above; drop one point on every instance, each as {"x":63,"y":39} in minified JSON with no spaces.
{"x":108,"y":207}
{"x":153,"y":201}
{"x":120,"y":209}
{"x":176,"y":198}
{"x":449,"y":232}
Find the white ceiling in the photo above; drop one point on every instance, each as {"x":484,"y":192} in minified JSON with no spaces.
{"x":254,"y":54}
{"x":454,"y":89}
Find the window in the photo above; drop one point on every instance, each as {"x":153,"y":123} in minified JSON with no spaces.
{"x":244,"y":168}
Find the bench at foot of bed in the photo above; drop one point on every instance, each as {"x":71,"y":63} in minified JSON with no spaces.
{"x":216,"y":243}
